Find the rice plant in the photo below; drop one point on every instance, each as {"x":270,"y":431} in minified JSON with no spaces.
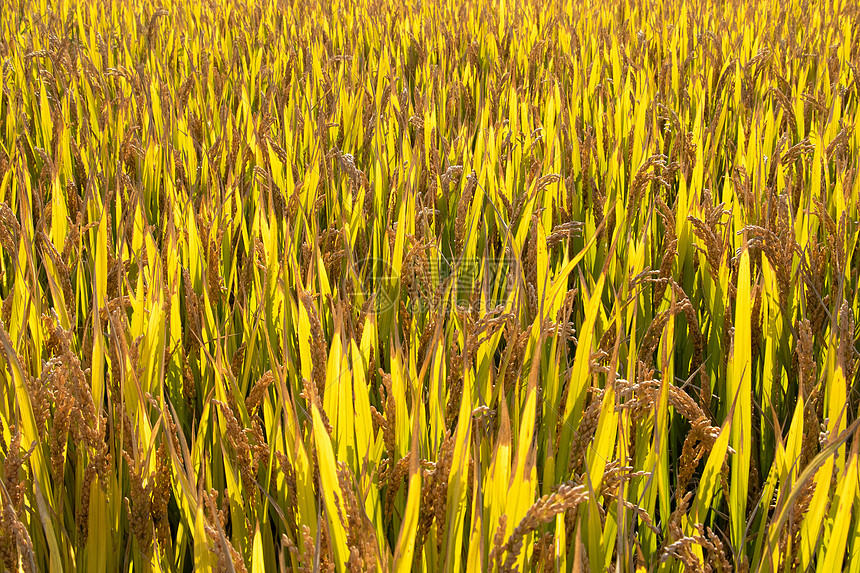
{"x":438,"y":286}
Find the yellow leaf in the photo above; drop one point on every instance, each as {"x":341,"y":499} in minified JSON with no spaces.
{"x":330,"y":486}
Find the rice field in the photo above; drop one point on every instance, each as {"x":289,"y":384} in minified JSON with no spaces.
{"x":488,"y":285}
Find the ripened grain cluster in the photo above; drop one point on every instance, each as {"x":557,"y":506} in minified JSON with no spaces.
{"x":482,"y":285}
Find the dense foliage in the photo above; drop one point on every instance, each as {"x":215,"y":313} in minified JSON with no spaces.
{"x":438,"y":286}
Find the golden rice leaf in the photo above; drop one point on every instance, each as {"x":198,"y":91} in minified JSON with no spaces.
{"x":457,"y":482}
{"x":710,"y":479}
{"x":258,"y":558}
{"x":405,"y":547}
{"x":831,"y":559}
{"x":203,"y":556}
{"x":579,"y":380}
{"x":740,"y":391}
{"x":331,"y":492}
